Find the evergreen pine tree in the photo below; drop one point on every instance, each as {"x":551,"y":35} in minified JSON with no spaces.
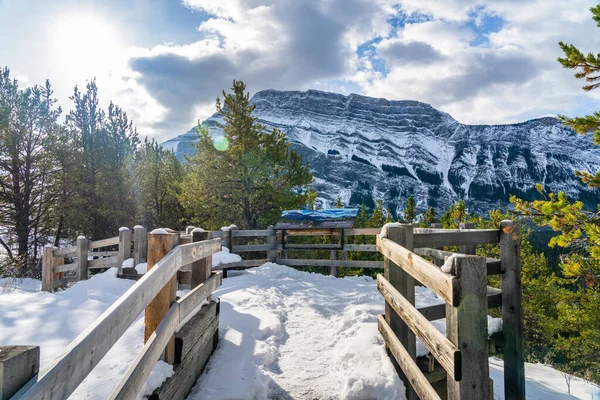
{"x":158,"y":186}
{"x":247,"y":176}
{"x":378,"y":217}
{"x":362,"y":218}
{"x":311,"y":196}
{"x":409,"y":211}
{"x":28,"y":120}
{"x":578,"y":228}
{"x":338,"y":203}
{"x":429,"y":218}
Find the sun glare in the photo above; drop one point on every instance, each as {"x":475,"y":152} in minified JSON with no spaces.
{"x":85,"y":42}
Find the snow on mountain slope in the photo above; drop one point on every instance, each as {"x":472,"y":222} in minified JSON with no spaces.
{"x":367,"y":149}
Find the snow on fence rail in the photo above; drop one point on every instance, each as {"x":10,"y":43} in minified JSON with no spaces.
{"x":462,"y":284}
{"x":85,"y":255}
{"x":165,"y":315}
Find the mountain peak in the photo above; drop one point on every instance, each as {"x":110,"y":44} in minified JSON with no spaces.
{"x":363,"y":149}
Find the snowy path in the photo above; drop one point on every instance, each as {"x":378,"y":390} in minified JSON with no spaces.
{"x":303,"y":336}
{"x":283,"y":334}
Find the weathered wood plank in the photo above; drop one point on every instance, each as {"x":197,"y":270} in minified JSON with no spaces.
{"x":464,"y":237}
{"x":124,"y":248}
{"x":240,"y":264}
{"x":438,"y":311}
{"x":65,"y":268}
{"x":328,"y":263}
{"x":441,"y":283}
{"x":65,"y":252}
{"x":442,"y":349}
{"x":63,"y":374}
{"x":512,"y":313}
{"x":272,"y":240}
{"x":294,"y":246}
{"x":96,"y":244}
{"x":405,"y":284}
{"x":252,"y":233}
{"x":416,"y":378}
{"x":467,"y":248}
{"x":201,"y":269}
{"x":360,"y":247}
{"x":194,"y":328}
{"x":111,"y":253}
{"x":466,"y":327}
{"x":47,"y":268}
{"x":197,"y":295}
{"x":253,"y":247}
{"x":362,"y":231}
{"x":140,"y":244}
{"x":196,"y":251}
{"x":131,"y":384}
{"x":104,"y":262}
{"x":82,"y":258}
{"x":312,"y":232}
{"x":159,"y":245}
{"x":492,"y":264}
{"x":202,"y":334}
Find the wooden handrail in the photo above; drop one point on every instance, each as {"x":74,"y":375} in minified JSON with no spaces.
{"x":135,"y":377}
{"x":96,"y":244}
{"x":441,"y":283}
{"x":405,"y":361}
{"x":64,"y":374}
{"x":457,"y":238}
{"x":442,"y":349}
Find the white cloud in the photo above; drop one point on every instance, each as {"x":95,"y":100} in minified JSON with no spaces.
{"x":302,"y":44}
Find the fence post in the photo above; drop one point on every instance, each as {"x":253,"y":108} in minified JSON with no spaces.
{"x":344,"y":253}
{"x":468,"y":248}
{"x":160,"y":243}
{"x":47,"y":267}
{"x":82,"y":258}
{"x":466,"y":327}
{"x":124,"y":248}
{"x":272,"y":241}
{"x":18,"y":364}
{"x":333,"y":270}
{"x":512,"y":314}
{"x":231,"y":239}
{"x":201,"y":269}
{"x":139,"y":244}
{"x":405,"y":283}
{"x":437,"y":261}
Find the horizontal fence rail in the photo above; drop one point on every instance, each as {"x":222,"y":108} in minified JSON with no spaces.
{"x":462,"y":352}
{"x":64,"y":374}
{"x":86,"y":256}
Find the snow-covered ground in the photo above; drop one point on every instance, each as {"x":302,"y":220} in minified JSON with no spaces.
{"x":283,"y":334}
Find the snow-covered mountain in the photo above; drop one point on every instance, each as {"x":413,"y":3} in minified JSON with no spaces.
{"x":363,"y":149}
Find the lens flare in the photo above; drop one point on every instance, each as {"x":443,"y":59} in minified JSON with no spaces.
{"x":221,"y":143}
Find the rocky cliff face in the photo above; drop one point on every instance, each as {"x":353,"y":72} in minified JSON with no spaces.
{"x":363,"y":149}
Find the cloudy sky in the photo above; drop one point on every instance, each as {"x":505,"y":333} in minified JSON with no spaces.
{"x":165,"y":61}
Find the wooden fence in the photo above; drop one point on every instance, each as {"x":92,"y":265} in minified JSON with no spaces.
{"x":154,"y":293}
{"x":87,"y":255}
{"x":458,"y":368}
{"x":463,"y":351}
{"x":277,"y":246}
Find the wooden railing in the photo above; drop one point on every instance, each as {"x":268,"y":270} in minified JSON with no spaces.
{"x":277,"y":246}
{"x":463,"y":351}
{"x":63,"y":375}
{"x":53,"y":259}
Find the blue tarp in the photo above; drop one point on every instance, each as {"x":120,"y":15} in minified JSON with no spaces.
{"x":329,"y":218}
